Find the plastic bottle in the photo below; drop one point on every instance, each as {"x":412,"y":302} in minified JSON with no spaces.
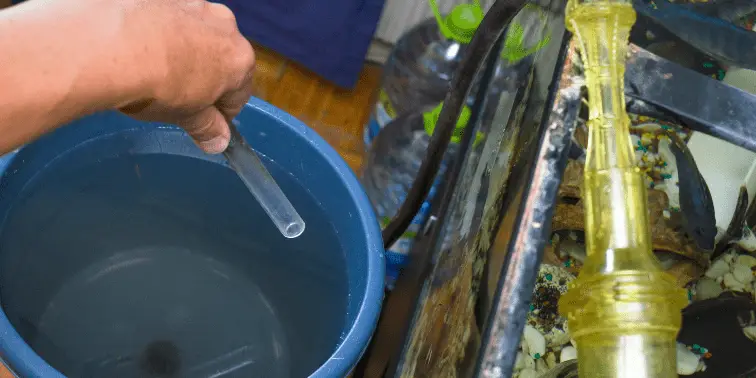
{"x":420,"y":67}
{"x":391,"y":167}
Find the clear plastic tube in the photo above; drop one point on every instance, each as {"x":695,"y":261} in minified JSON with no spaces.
{"x":258,"y":180}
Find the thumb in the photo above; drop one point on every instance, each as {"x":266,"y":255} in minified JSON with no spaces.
{"x":209,"y":129}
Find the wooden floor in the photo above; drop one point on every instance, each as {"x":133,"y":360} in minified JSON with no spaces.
{"x":338,"y":115}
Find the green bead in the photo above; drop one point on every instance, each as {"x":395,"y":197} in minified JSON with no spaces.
{"x":549,"y":277}
{"x":537,"y":356}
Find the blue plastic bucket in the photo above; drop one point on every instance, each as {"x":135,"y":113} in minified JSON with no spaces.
{"x":125,"y":251}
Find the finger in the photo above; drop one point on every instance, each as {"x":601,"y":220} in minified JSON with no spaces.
{"x":222,"y":12}
{"x":232,"y":103}
{"x":240,"y":61}
{"x":135,"y":108}
{"x":209,"y":129}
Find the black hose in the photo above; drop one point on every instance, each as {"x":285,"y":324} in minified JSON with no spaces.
{"x":490,"y":30}
{"x":399,"y":304}
{"x":411,"y":282}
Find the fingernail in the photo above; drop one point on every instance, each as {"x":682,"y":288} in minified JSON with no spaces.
{"x":215,"y":145}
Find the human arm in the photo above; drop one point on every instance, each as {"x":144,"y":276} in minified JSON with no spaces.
{"x":181,"y":62}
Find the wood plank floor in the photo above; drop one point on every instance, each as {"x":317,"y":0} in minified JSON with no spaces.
{"x":338,"y":115}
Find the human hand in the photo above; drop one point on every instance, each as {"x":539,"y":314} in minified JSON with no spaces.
{"x":197,"y":67}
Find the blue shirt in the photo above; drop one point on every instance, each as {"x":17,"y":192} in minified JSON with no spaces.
{"x":329,"y":37}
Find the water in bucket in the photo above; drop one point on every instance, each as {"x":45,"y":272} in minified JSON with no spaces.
{"x":157,"y":265}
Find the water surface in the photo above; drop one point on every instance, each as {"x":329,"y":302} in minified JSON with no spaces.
{"x":165,"y":266}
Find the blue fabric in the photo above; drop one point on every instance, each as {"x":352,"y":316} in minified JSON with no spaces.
{"x":329,"y":37}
